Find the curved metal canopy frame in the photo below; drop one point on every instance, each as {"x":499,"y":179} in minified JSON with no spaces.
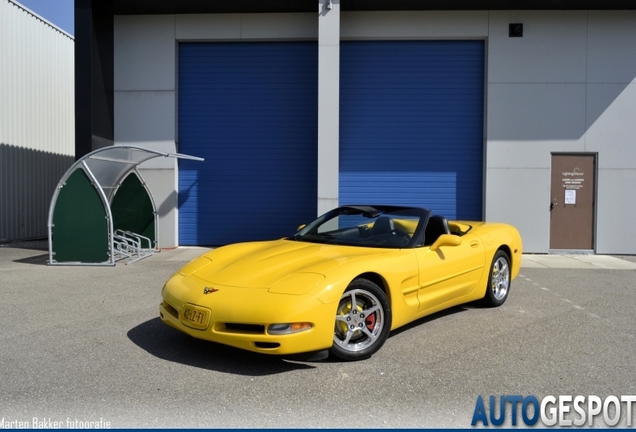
{"x":106,"y":168}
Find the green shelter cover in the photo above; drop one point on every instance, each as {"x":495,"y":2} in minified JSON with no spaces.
{"x":100,"y":193}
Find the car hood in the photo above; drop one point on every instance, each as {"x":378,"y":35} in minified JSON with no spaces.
{"x":262,"y":264}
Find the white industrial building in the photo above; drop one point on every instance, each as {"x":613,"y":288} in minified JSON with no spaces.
{"x":470,"y":109}
{"x":37,"y":127}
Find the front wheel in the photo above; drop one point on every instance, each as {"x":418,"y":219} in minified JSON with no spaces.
{"x":363,"y":321}
{"x":498,"y":280}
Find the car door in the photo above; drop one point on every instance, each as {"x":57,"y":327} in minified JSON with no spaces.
{"x":449,"y":272}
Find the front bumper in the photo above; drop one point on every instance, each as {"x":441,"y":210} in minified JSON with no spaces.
{"x":240,"y":317}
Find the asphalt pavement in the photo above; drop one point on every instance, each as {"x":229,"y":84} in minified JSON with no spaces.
{"x":85,"y":344}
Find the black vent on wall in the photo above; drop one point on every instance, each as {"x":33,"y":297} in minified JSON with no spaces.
{"x":515,"y":30}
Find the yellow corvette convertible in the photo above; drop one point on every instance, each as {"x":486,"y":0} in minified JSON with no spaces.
{"x":341,"y":283}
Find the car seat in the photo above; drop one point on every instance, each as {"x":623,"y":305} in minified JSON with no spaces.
{"x":436,"y":226}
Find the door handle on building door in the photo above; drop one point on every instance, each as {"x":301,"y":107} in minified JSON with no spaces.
{"x":552,"y":205}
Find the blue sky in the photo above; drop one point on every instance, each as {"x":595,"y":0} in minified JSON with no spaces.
{"x":58,"y":12}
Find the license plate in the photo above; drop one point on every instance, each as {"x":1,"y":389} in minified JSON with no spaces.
{"x":196,"y":317}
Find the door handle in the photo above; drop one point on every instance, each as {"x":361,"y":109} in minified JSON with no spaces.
{"x":553,"y":205}
{"x":474,"y":243}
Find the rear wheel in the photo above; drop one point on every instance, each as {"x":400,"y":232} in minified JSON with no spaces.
{"x":498,"y":280}
{"x":363,"y":321}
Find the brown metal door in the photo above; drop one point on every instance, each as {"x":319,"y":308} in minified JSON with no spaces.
{"x":572,"y":204}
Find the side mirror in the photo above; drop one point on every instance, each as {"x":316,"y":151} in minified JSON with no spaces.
{"x":446,"y":240}
{"x":301,"y":227}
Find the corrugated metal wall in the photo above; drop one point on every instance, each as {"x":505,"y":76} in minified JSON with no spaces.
{"x":256,"y":127}
{"x":37,"y":118}
{"x":411,"y":124}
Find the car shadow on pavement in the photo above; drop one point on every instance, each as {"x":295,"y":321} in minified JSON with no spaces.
{"x":446,"y":312}
{"x":169,"y":344}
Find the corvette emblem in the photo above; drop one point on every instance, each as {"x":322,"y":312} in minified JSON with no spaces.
{"x":207,"y":290}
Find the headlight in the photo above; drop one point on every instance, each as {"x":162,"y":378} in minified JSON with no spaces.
{"x":280,"y":329}
{"x":195,"y":265}
{"x":297,"y":283}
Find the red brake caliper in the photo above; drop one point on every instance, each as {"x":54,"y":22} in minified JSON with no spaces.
{"x":370,"y":321}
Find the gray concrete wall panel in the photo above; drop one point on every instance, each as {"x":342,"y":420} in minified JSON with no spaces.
{"x":523,"y":190}
{"x":414,"y":25}
{"x":611,"y":49}
{"x":208,"y":27}
{"x":147,"y":119}
{"x":552,"y":49}
{"x":615,"y":233}
{"x":328,"y":105}
{"x":565,"y":86}
{"x":144,"y":116}
{"x":144,"y":53}
{"x":228,"y":27}
{"x":295,"y":26}
{"x":537,"y":112}
{"x":162,"y":186}
{"x":145,"y":105}
{"x":611,"y":130}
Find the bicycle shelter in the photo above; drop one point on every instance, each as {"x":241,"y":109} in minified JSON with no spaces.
{"x":102,"y":210}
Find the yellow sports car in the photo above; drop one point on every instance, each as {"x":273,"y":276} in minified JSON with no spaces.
{"x":342,"y":282}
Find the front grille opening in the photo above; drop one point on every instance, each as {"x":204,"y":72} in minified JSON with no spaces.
{"x":172,"y":311}
{"x":245,"y":328}
{"x":267,"y":345}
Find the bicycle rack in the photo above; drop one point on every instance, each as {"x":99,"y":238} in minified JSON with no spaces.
{"x":127,"y":244}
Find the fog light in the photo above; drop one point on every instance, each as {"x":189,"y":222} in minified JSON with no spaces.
{"x":288,"y":328}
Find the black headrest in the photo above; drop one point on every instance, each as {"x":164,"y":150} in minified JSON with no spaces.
{"x":436,"y":226}
{"x":383,"y":225}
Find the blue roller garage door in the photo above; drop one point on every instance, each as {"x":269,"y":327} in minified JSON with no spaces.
{"x":411,"y":124}
{"x":250,"y":109}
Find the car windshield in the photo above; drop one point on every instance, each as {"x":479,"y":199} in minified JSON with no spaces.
{"x":377,"y":226}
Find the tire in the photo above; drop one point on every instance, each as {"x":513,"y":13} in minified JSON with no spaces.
{"x":359,"y":332}
{"x":498,"y":280}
